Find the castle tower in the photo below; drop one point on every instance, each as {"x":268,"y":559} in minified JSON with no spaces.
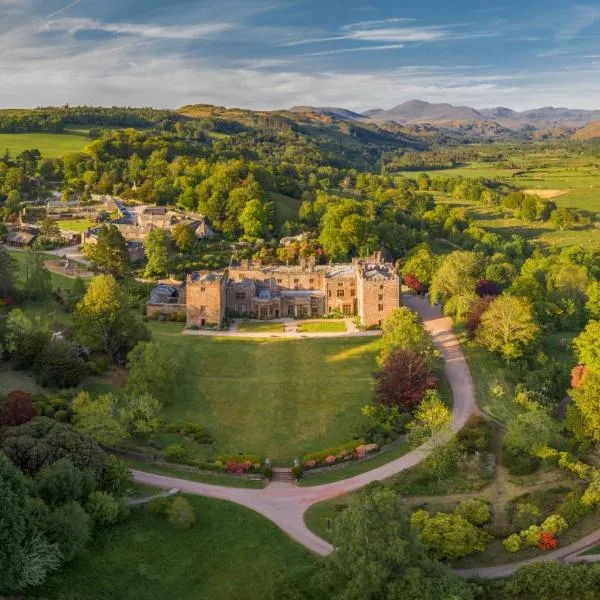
{"x":205,"y":299}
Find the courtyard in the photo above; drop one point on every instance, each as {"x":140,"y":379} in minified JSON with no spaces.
{"x":277,"y":398}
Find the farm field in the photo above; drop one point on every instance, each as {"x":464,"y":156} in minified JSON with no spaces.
{"x":231,"y":552}
{"x":50,"y":145}
{"x":279,"y":398}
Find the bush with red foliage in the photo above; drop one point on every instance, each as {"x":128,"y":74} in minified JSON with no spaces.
{"x":486,"y":287}
{"x":547,"y":541}
{"x":403,"y":380}
{"x":578,"y":374}
{"x":478,"y":307}
{"x":413,"y":283}
{"x":17,"y":408}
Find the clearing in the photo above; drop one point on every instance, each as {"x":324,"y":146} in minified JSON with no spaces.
{"x":50,"y":145}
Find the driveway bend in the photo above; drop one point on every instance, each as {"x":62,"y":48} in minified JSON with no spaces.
{"x":286,"y":503}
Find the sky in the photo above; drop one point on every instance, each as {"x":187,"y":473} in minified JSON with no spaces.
{"x":269,"y":54}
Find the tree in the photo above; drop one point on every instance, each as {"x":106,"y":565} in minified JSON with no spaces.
{"x":403,"y":330}
{"x":180,"y":514}
{"x":17,"y":408}
{"x":24,"y":339}
{"x":587,"y":346}
{"x":530,"y":432}
{"x":49,"y":229}
{"x":156,"y":249}
{"x":60,"y":365}
{"x":8,"y":268}
{"x":586,"y":399}
{"x":104,"y":508}
{"x":413,"y":283}
{"x":403,"y":379}
{"x":448,"y":536}
{"x":99,"y":417}
{"x":432,"y":418}
{"x":473,"y":510}
{"x":62,"y":482}
{"x":421,"y":263}
{"x":593,"y":300}
{"x":43,"y":441}
{"x":26,"y":556}
{"x":37,"y":283}
{"x":70,"y":527}
{"x":139,"y":414}
{"x":485,"y":287}
{"x":183,"y":237}
{"x":456,"y":276}
{"x":476,"y":311}
{"x":109,"y":253}
{"x":12,"y":206}
{"x":378,"y":556}
{"x":150,"y":371}
{"x":253,"y":219}
{"x":508,"y":327}
{"x":105,"y":320}
{"x":117,"y":478}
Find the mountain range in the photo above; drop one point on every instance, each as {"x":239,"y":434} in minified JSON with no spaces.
{"x":419,"y":112}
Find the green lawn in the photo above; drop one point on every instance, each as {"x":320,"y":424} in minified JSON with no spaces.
{"x":330,"y":326}
{"x":286,"y":207}
{"x":278,"y":398}
{"x":260,"y":327}
{"x":231,"y":553}
{"x":50,"y":145}
{"x":76,"y":225}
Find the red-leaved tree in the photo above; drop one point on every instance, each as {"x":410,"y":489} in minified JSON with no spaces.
{"x":478,"y":307}
{"x":403,"y":379}
{"x":578,"y":374}
{"x":486,"y":287}
{"x":409,"y":280}
{"x":17,"y":408}
{"x":547,"y":541}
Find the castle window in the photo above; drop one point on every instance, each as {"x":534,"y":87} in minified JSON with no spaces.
{"x":242,"y":295}
{"x":340,"y":283}
{"x":280,"y":281}
{"x":329,"y":293}
{"x":381,"y":296}
{"x":353,"y":292}
{"x":296,"y":280}
{"x":202,"y":308}
{"x":340,"y":293}
{"x":347,"y":309}
{"x":311,"y":281}
{"x":202,"y":289}
{"x":380,"y":307}
{"x":381,"y":287}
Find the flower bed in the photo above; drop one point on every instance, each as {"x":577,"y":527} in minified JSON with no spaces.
{"x":338,"y":454}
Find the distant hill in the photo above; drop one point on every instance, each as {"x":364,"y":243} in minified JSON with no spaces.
{"x":332,"y":111}
{"x":590,"y":131}
{"x":419,"y":111}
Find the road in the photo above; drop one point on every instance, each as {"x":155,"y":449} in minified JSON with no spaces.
{"x":286,"y":503}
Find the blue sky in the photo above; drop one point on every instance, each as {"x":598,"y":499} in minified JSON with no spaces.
{"x":267,"y":54}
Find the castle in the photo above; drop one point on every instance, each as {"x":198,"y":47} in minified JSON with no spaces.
{"x":369,"y":289}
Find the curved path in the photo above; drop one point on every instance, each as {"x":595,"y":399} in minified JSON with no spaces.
{"x":286,"y":503}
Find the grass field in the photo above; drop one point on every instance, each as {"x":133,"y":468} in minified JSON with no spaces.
{"x":260,"y":327}
{"x":330,"y":326}
{"x":279,"y":398}
{"x":76,"y":225}
{"x":50,"y":145}
{"x":286,"y":207}
{"x":230,"y":553}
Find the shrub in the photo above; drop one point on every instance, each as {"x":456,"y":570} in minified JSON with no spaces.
{"x":573,"y":508}
{"x":547,"y":541}
{"x":321,"y":455}
{"x":180,"y":514}
{"x":192,"y":431}
{"x":591,"y":495}
{"x":297,"y":472}
{"x":475,"y":436}
{"x":513,"y":543}
{"x":475,"y":511}
{"x":267,"y":472}
{"x":17,"y":408}
{"x":158,"y":505}
{"x":526,"y":514}
{"x":174,"y":452}
{"x":103,"y":508}
{"x":531,"y":536}
{"x":555,"y":524}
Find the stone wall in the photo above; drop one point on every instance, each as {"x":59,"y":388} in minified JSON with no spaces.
{"x":206,"y":302}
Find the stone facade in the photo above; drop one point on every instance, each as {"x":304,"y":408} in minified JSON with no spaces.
{"x":369,"y":289}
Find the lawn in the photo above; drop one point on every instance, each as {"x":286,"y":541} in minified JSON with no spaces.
{"x":278,"y":398}
{"x":330,"y":326}
{"x":286,"y":207}
{"x":50,"y":145}
{"x":260,"y":327}
{"x":76,"y":225}
{"x":230,"y":553}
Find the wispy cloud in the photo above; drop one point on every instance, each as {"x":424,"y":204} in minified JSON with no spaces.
{"x":74,"y":25}
{"x":358,"y":49}
{"x":361,"y":24}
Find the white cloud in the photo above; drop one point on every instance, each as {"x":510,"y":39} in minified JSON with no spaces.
{"x":204,"y":30}
{"x":358,"y":49}
{"x":361,"y":24}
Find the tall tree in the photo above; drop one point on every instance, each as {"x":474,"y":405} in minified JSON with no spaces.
{"x":8,"y":268}
{"x":156,"y":248}
{"x":105,"y":320}
{"x":37,"y":283}
{"x":508,"y":326}
{"x":184,"y":237}
{"x":98,"y":417}
{"x":587,"y":346}
{"x":109,"y":252}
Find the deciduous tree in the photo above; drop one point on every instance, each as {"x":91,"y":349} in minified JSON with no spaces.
{"x":587,"y":346}
{"x":109,"y":252}
{"x":156,"y":249}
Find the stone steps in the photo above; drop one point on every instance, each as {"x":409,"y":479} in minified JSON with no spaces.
{"x":283,"y":476}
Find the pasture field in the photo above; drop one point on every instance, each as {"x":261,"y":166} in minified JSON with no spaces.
{"x":50,"y":145}
{"x":278,"y":398}
{"x":231,"y":552}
